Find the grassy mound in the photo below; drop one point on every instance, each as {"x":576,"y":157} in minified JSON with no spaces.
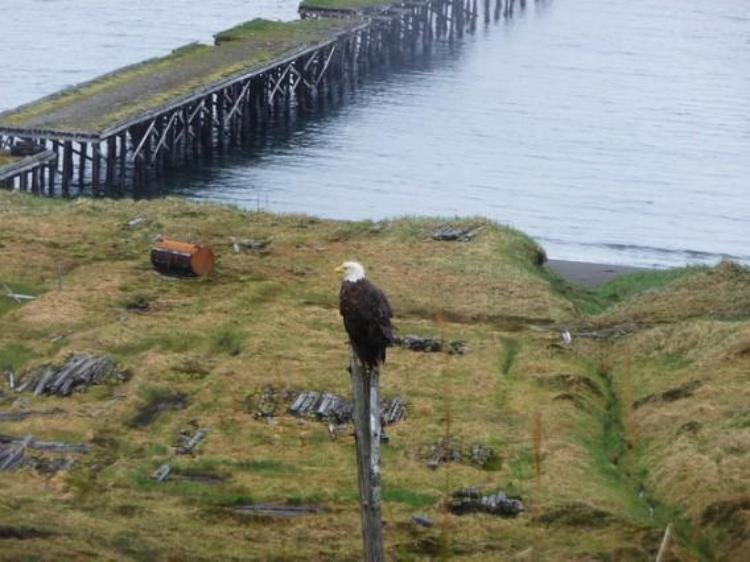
{"x":606,"y":441}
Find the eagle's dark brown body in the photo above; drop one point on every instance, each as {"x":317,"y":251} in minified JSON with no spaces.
{"x":367,"y":319}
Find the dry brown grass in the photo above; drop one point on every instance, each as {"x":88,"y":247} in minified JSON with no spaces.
{"x":562,"y":440}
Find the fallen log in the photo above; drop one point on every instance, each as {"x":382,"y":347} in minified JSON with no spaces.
{"x":171,"y":257}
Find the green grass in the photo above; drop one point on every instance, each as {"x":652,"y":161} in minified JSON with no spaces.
{"x":408,"y":497}
{"x":227,"y":340}
{"x":15,"y":356}
{"x":272,"y":320}
{"x":6,"y":159}
{"x":510,"y":348}
{"x":619,"y":289}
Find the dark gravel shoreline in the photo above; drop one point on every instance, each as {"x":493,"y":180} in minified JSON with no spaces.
{"x":589,"y":274}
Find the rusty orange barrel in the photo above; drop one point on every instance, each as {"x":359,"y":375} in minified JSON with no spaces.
{"x":181,"y":258}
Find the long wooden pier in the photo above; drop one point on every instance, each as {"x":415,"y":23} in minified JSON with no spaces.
{"x":114,"y":134}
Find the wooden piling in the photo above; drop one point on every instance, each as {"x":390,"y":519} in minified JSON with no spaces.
{"x":67,"y":171}
{"x":82,"y":155}
{"x":96,"y":163}
{"x":123,"y":160}
{"x":110,"y":163}
{"x":53,"y":167}
{"x":366,"y":394}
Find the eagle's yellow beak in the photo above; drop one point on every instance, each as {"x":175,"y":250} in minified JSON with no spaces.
{"x":339,"y":269}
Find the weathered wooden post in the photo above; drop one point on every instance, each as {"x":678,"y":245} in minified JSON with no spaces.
{"x":367,"y":431}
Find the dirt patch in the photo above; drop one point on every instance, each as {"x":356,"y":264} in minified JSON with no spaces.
{"x":156,"y":406}
{"x":683,"y":391}
{"x":576,"y":514}
{"x":568,"y":382}
{"x":22,"y":533}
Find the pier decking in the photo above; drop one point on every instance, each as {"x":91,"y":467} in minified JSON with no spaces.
{"x":112,"y":134}
{"x":112,"y":102}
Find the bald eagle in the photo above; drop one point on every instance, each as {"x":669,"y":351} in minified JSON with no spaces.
{"x":367,"y":315}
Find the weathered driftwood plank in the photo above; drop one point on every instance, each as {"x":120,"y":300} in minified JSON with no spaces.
{"x":11,"y":456}
{"x":336,"y":409}
{"x":187,"y":442}
{"x":422,"y":521}
{"x":271,"y":510}
{"x":162,"y":473}
{"x":13,"y":453}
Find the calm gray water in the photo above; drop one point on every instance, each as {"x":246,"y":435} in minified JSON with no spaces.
{"x":616,"y":132}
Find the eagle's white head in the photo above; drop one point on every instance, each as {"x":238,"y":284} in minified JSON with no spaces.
{"x":352,"y":270}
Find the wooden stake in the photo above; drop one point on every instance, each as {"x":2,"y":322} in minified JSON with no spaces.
{"x":366,"y":390}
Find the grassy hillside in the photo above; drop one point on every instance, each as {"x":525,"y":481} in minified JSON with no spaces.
{"x":641,"y":423}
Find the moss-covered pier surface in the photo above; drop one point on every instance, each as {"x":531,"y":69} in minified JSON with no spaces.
{"x":120,"y":129}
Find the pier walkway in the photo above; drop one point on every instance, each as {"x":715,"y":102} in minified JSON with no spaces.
{"x":112,"y":134}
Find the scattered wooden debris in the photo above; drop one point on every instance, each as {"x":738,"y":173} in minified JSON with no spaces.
{"x":324,"y":406}
{"x":249,"y":245}
{"x":21,"y":415}
{"x":431,"y":345}
{"x":264,"y":404}
{"x":13,"y":453}
{"x":452,"y":450}
{"x":136,"y":221}
{"x":281,"y":511}
{"x":682,"y":391}
{"x":162,"y":473}
{"x":422,"y":521}
{"x":331,"y":408}
{"x":187,"y":441}
{"x":18,"y":298}
{"x":337,"y":410}
{"x":448,"y":233}
{"x":566,"y":338}
{"x":470,"y":500}
{"x":393,"y":411}
{"x":75,"y":375}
